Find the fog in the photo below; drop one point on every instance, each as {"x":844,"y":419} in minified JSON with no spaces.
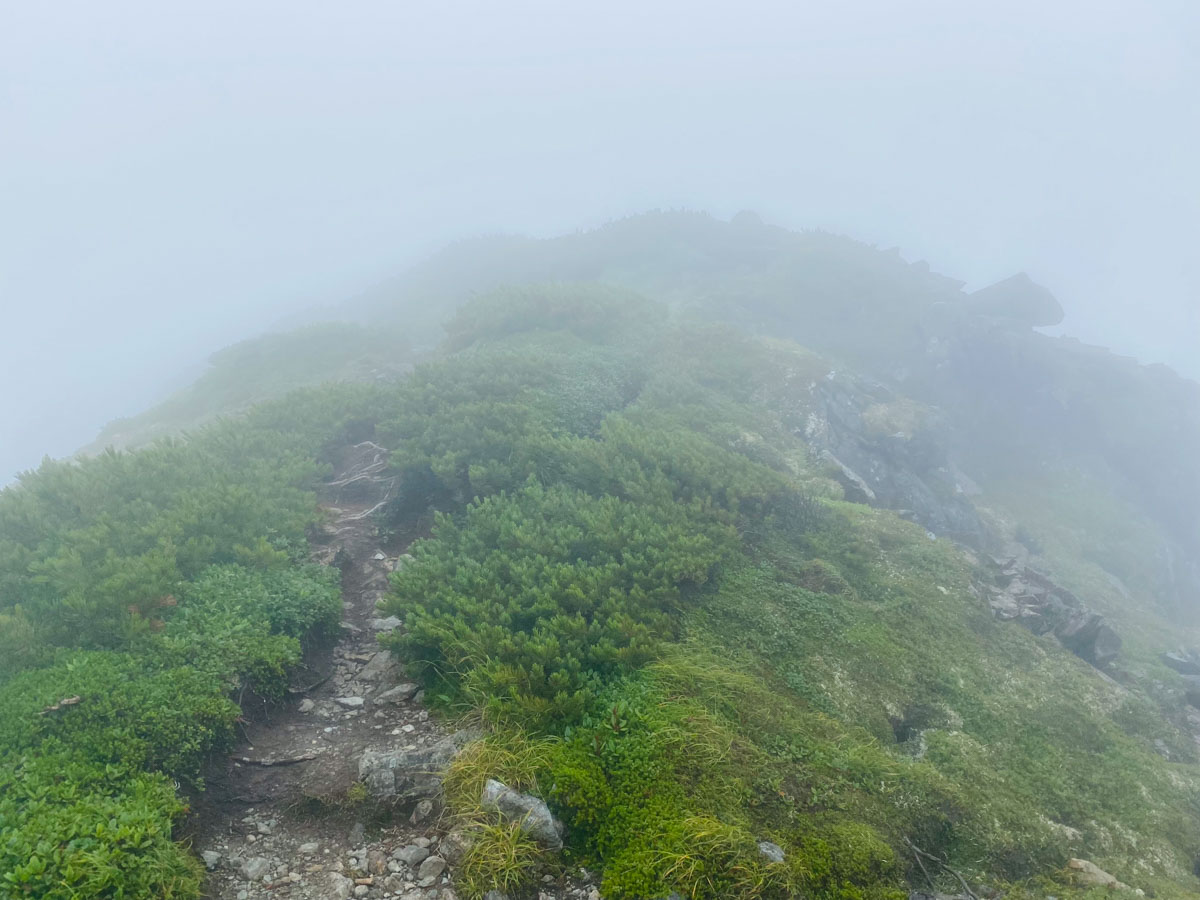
{"x":174,"y":177}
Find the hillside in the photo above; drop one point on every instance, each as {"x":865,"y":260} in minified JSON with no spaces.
{"x":774,"y":565}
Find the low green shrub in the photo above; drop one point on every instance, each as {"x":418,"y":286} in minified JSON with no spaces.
{"x":538,"y":598}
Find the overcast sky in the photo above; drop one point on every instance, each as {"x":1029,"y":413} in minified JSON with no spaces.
{"x":175,"y":176}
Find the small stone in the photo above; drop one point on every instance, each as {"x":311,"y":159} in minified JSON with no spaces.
{"x":350,"y":702}
{"x":361,"y":890}
{"x":340,"y":887}
{"x":255,"y":869}
{"x":771,"y":852}
{"x":421,"y":812}
{"x":455,"y":846}
{"x":357,"y":831}
{"x":495,"y":895}
{"x":264,"y":827}
{"x":412,"y":855}
{"x":422,"y":841}
{"x":376,"y":862}
{"x":309,"y":848}
{"x":243,"y":894}
{"x":211,"y":858}
{"x":251,"y":838}
{"x":387,"y":623}
{"x":431,"y":868}
{"x":306,"y":705}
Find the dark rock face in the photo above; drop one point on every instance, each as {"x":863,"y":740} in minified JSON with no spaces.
{"x":1027,"y":596}
{"x":1018,"y":299}
{"x":1182,"y":662}
{"x":891,"y":453}
{"x":1088,"y":636}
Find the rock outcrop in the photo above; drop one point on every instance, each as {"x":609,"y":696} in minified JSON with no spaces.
{"x":890,"y":452}
{"x":1024,"y":595}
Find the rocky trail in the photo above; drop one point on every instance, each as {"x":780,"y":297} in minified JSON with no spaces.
{"x":282,"y":817}
{"x":336,"y":793}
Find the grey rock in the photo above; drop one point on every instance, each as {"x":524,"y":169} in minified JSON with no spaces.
{"x":432,"y":867}
{"x":1089,"y":636}
{"x":211,"y":858}
{"x":379,"y":667}
{"x":357,"y":831}
{"x":263,"y":827}
{"x":500,"y":895}
{"x":399,"y":693}
{"x":243,"y":894}
{"x":532,"y":814}
{"x":1088,"y":873}
{"x":455,"y":846}
{"x":349,"y":702}
{"x":422,"y":811}
{"x":1181,"y":663}
{"x":255,"y":869}
{"x":771,"y":852}
{"x":387,"y":623}
{"x":306,"y":705}
{"x":394,"y":883}
{"x":409,"y":774}
{"x":309,"y":848}
{"x":340,"y":887}
{"x":376,"y":862}
{"x":361,"y":890}
{"x":412,"y":855}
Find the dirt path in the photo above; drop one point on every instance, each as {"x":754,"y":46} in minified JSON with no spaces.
{"x":283,"y":817}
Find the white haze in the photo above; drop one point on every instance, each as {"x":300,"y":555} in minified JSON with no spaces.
{"x":175,"y":176}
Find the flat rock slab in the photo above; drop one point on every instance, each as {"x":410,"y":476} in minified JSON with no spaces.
{"x":409,"y":774}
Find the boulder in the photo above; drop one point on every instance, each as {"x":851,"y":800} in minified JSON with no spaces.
{"x":532,"y":813}
{"x":1089,"y":636}
{"x":211,"y":858}
{"x":408,"y":774}
{"x":379,"y":667}
{"x":399,"y":694}
{"x":1017,"y":299}
{"x":1088,"y":873}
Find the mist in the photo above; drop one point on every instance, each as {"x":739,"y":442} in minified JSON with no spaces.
{"x":177,"y":177}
